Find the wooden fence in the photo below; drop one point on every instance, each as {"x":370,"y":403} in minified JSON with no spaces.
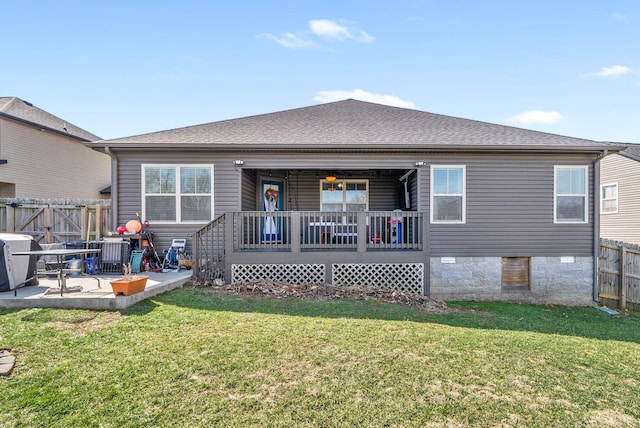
{"x":619,"y":275}
{"x":51,"y":222}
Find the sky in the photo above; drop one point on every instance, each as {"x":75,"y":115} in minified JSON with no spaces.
{"x":121,"y":68}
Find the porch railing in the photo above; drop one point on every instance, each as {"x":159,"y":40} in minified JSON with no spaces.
{"x":294,"y":237}
{"x":315,"y":230}
{"x":209,"y":250}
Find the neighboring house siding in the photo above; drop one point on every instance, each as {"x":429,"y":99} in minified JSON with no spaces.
{"x":509,"y":209}
{"x":43,"y":164}
{"x":625,"y":224}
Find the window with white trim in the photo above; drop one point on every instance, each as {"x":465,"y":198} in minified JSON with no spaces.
{"x":344,"y":195}
{"x":177,"y":193}
{"x":609,"y":198}
{"x":570,"y":194}
{"x":448,"y":194}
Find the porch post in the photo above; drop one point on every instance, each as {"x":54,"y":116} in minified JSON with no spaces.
{"x":229,"y":224}
{"x":362,"y":232}
{"x":295,"y":231}
{"x":426,"y":291}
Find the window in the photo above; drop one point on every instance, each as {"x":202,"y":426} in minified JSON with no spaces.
{"x":609,"y":198}
{"x":448,"y":194}
{"x":344,"y":195}
{"x":570,"y":194}
{"x":177,"y":193}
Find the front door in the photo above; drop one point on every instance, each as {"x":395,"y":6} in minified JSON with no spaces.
{"x":271,"y":225}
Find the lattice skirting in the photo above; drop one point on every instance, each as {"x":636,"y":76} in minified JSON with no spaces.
{"x":289,"y":273}
{"x":407,"y":277}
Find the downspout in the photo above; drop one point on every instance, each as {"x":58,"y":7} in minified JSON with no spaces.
{"x":596,"y":222}
{"x":114,"y":188}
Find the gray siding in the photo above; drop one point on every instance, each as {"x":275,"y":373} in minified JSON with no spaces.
{"x":304,"y":192}
{"x":226,"y":182}
{"x":509,"y":209}
{"x":413,"y":191}
{"x":249,"y":189}
{"x":302,"y":188}
{"x":383,"y":192}
{"x":509,"y":198}
{"x":625,"y":224}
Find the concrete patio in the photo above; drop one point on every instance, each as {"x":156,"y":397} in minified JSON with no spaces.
{"x":47,"y":294}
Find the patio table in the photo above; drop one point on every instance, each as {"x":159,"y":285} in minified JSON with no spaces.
{"x":60,"y":253}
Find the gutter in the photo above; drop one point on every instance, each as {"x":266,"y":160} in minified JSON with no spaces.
{"x":114,"y":187}
{"x":45,"y":127}
{"x":356,"y":148}
{"x":596,"y":222}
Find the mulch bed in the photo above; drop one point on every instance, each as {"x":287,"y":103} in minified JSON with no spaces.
{"x":274,"y":289}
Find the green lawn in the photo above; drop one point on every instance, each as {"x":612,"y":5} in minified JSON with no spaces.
{"x":191,"y":358}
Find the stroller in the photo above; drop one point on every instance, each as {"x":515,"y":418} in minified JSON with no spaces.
{"x":172,"y":255}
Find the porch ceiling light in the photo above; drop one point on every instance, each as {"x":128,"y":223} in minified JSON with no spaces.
{"x":330,"y":178}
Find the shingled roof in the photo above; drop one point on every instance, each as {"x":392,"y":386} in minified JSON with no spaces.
{"x":23,"y":111}
{"x":632,"y":152}
{"x":352,"y":124}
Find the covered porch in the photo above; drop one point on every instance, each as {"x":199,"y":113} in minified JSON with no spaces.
{"x":381,"y":248}
{"x":328,"y":209}
{"x":338,"y":226}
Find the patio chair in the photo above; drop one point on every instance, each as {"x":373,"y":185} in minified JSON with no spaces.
{"x":113,"y":253}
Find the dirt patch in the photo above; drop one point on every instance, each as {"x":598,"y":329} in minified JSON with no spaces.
{"x":277,"y":290}
{"x":87,"y":323}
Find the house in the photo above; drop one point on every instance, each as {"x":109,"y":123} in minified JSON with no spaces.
{"x":357,"y":193}
{"x":44,"y":157}
{"x":620,"y":196}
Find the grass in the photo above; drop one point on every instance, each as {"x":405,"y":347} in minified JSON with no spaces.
{"x":190,"y":358}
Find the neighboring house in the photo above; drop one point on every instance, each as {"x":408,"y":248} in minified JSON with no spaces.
{"x":488,"y":212}
{"x":620,"y":196}
{"x":44,"y":157}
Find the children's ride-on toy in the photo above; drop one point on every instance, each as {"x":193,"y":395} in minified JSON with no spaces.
{"x":172,"y":255}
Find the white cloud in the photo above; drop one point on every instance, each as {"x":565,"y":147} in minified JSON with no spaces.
{"x":613,"y":71}
{"x":328,"y":29}
{"x":324,"y":29}
{"x":290,"y":40}
{"x":331,"y":30}
{"x":532,"y":117}
{"x":359,"y":94}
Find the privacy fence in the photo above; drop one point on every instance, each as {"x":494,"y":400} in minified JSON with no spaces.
{"x":619,"y":275}
{"x":56,"y":221}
